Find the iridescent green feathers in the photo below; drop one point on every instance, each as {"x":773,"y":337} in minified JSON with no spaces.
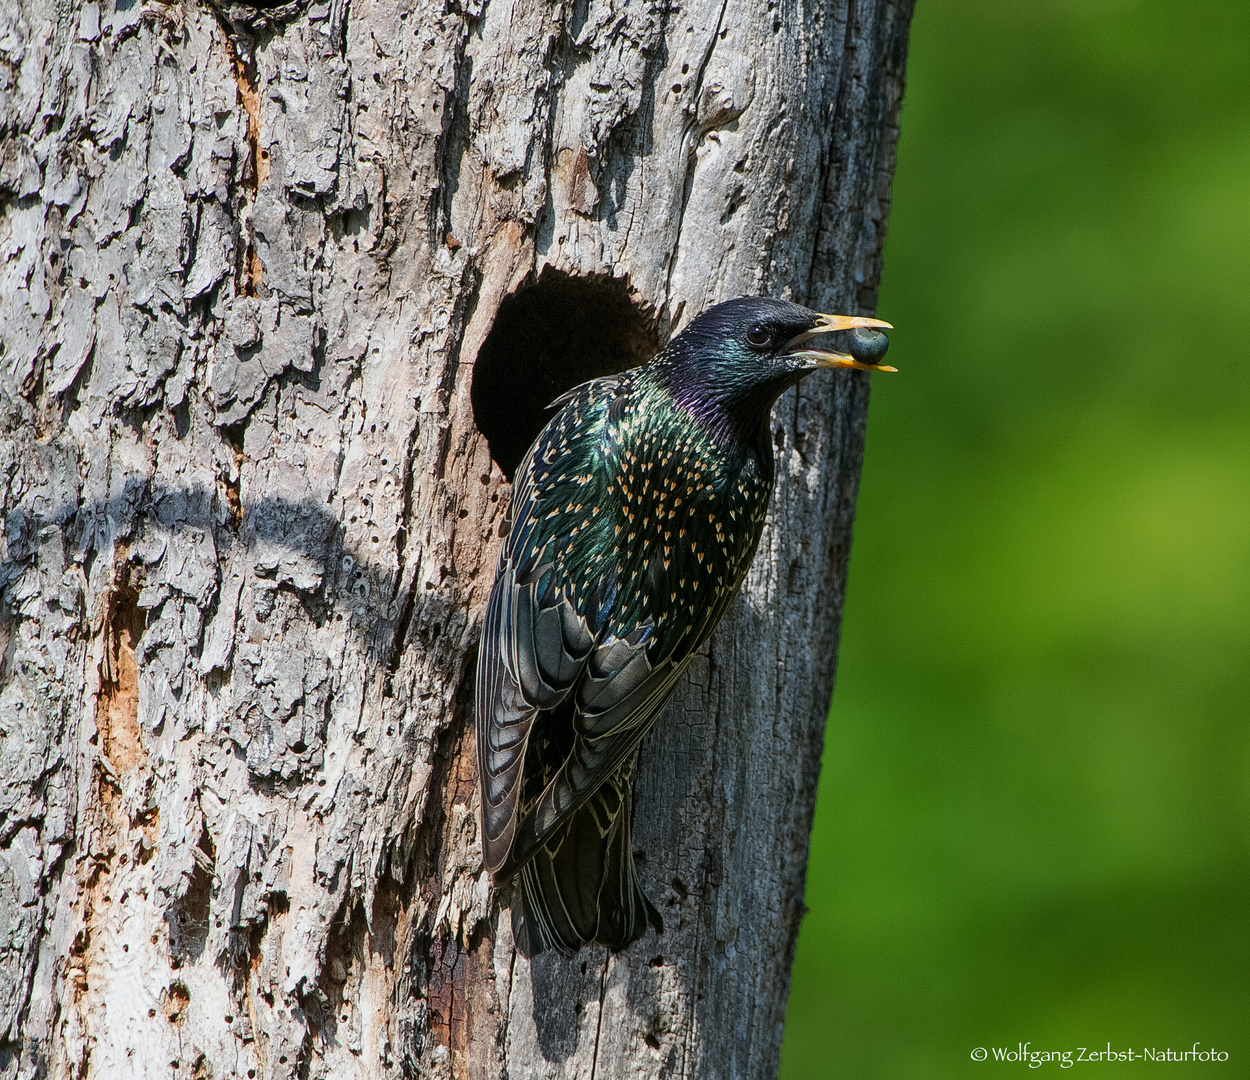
{"x":635,"y":517}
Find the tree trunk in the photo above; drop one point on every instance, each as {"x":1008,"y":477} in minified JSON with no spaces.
{"x":254,"y":439}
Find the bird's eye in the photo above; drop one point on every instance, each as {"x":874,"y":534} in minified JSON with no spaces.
{"x":759,"y":335}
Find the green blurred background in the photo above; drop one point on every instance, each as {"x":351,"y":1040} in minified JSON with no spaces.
{"x":1034,"y":815}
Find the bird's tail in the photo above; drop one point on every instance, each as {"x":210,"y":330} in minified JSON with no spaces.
{"x":581,"y":885}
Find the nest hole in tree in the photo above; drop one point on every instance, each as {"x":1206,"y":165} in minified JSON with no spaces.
{"x":550,"y":335}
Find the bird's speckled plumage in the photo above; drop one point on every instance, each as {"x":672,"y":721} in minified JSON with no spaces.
{"x":635,"y":516}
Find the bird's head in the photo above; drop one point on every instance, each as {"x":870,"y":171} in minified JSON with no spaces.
{"x":742,"y":354}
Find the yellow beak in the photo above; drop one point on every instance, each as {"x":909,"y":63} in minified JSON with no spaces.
{"x":848,"y":322}
{"x":826,"y":359}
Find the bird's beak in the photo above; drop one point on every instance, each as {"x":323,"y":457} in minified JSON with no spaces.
{"x":826,"y":359}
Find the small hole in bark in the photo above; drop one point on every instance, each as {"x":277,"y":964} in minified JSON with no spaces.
{"x":174,"y":1001}
{"x":549,"y":336}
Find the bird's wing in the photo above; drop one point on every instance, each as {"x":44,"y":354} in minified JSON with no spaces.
{"x":504,"y":719}
{"x":617,"y":698}
{"x":536,"y":636}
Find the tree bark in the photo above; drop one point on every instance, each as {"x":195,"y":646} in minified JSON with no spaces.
{"x":248,"y":258}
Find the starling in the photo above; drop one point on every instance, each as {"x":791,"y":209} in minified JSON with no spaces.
{"x":635,"y":516}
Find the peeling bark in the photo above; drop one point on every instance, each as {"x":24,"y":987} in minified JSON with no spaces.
{"x":248,"y":258}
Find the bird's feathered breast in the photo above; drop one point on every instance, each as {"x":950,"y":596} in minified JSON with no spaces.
{"x":688,"y":509}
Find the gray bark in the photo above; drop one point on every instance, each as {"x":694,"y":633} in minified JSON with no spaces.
{"x":247,"y":259}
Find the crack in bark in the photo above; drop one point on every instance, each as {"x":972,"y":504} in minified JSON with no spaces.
{"x":401,"y":544}
{"x":454,"y":958}
{"x":830,"y":162}
{"x":690,"y":136}
{"x":256,"y":169}
{"x":117,"y":712}
{"x":603,"y":984}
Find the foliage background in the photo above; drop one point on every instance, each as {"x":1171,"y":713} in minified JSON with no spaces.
{"x":1034,"y":817}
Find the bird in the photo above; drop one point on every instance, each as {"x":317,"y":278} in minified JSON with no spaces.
{"x":634,"y":518}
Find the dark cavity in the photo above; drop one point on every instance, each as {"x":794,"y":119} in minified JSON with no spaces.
{"x":550,"y":335}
